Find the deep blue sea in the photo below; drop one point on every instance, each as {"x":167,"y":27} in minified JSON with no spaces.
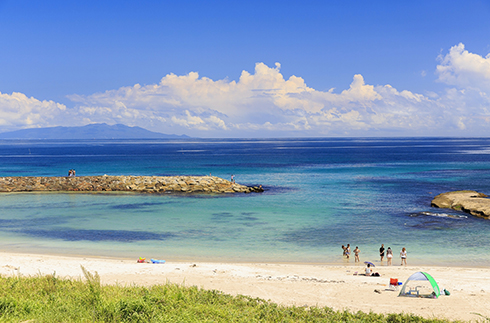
{"x":320,"y":193}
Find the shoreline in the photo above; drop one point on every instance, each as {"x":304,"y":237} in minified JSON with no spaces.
{"x":332,"y":285}
{"x":412,"y":262}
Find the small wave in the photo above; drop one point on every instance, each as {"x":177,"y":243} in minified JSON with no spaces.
{"x":440,"y":215}
{"x":475,"y":152}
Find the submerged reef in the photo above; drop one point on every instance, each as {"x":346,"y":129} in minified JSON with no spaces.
{"x":467,"y":201}
{"x":139,"y":184}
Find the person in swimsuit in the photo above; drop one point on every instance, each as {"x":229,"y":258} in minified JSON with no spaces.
{"x":344,"y":250}
{"x":403,"y":255}
{"x":356,"y":254}
{"x":389,"y":256}
{"x":347,"y":251}
{"x":382,"y":252}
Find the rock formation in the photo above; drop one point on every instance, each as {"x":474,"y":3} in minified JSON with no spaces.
{"x":467,"y":201}
{"x":146,"y":184}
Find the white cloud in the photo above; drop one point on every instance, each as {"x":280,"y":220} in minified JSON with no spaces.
{"x":19,"y":111}
{"x":264,"y":103}
{"x":464,"y":69}
{"x":467,"y":104}
{"x":191,"y":121}
{"x":360,"y":92}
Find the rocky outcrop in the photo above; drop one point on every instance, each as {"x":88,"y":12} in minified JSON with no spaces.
{"x":467,"y":201}
{"x":146,"y":184}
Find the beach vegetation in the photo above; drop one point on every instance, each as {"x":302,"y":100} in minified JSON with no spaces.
{"x":458,"y":207}
{"x":48,"y":298}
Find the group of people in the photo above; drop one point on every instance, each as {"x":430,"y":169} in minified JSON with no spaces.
{"x":346,"y":252}
{"x":71,"y":173}
{"x":389,"y":254}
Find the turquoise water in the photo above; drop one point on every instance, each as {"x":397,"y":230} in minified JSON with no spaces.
{"x":320,"y":194}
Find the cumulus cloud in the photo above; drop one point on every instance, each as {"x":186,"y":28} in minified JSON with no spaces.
{"x":359,"y":91}
{"x":191,"y":121}
{"x":262,"y":100}
{"x":464,"y":69}
{"x":264,"y":103}
{"x":468,"y":99}
{"x":19,"y":111}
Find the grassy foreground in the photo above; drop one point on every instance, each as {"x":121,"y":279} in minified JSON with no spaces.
{"x":51,"y":299}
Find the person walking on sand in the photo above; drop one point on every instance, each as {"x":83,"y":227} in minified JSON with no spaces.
{"x":356,"y":254}
{"x":403,"y":255}
{"x":389,"y":256}
{"x":382,"y":252}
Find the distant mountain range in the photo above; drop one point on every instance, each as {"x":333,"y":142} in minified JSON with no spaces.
{"x":91,"y":131}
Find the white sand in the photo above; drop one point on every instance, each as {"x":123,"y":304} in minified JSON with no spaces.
{"x":289,"y":284}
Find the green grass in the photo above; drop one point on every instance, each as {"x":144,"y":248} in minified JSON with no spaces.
{"x":51,"y":299}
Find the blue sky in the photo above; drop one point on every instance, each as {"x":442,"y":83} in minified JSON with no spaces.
{"x":249,"y":68}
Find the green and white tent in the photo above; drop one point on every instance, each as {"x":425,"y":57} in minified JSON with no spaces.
{"x":420,"y":284}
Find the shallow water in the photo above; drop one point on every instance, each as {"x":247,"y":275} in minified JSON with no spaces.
{"x":320,"y":194}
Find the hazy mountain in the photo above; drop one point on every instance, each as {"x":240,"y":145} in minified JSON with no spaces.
{"x":91,"y":131}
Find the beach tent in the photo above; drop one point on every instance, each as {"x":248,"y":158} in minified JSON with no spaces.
{"x":420,"y":284}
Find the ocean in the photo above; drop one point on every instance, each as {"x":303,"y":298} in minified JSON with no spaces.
{"x":320,"y":193}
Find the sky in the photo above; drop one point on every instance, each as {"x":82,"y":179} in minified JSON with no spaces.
{"x":249,"y":69}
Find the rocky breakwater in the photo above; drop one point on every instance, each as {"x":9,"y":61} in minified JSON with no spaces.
{"x":467,"y":201}
{"x":140,"y":184}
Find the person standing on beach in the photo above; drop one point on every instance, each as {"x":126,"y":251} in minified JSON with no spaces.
{"x":382,"y":252}
{"x":389,"y":255}
{"x":344,"y":250}
{"x":356,"y":254}
{"x":347,"y":251}
{"x":403,"y":255}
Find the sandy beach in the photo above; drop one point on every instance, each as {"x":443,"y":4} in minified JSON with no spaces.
{"x":335,"y":286}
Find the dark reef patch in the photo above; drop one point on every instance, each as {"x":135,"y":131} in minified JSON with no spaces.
{"x":222,"y":216}
{"x":310,"y":236}
{"x":434,"y":221}
{"x":68,"y":234}
{"x":133,"y":206}
{"x":34,"y":222}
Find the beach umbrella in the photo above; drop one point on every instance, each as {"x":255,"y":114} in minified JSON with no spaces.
{"x":369,"y":263}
